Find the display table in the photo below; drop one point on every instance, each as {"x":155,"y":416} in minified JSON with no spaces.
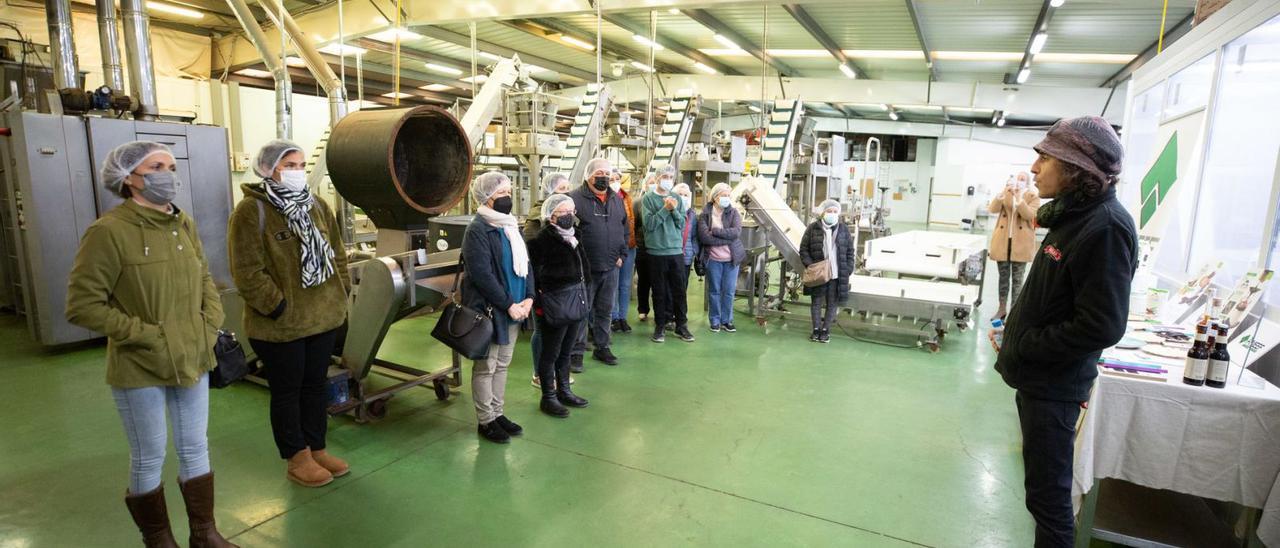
{"x":1221,"y":444}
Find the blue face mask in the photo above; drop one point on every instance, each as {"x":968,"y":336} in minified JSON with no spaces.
{"x":684,"y":203}
{"x":724,"y":202}
{"x":666,"y":184}
{"x":830,"y":218}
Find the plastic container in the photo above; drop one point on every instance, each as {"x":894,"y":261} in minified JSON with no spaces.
{"x":997,"y":329}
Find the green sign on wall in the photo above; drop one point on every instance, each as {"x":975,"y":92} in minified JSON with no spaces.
{"x":1159,"y":179}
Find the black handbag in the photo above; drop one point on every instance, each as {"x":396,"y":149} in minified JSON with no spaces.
{"x":232,"y":365}
{"x":566,"y":305}
{"x":466,"y":331}
{"x":699,"y":266}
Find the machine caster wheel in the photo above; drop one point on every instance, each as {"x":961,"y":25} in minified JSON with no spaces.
{"x":442,"y":390}
{"x":376,"y":409}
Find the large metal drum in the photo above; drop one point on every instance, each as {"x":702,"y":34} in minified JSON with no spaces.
{"x":401,"y":166}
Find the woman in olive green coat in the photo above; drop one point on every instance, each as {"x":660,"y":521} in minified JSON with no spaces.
{"x":141,"y":278}
{"x":288,"y":261}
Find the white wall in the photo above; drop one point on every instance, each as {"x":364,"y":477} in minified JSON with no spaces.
{"x":903,"y":177}
{"x":962,"y":163}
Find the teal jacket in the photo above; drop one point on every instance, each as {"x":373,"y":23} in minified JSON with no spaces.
{"x":663,"y":229}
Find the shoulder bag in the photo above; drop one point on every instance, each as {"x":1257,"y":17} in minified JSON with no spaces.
{"x":566,"y":305}
{"x":231,"y":365}
{"x":466,"y":331}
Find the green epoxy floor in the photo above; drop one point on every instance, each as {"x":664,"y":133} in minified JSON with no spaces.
{"x":748,"y":439}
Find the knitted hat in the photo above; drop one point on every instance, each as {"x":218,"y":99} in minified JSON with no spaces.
{"x":1087,"y":142}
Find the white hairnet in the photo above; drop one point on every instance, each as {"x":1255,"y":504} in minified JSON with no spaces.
{"x":828,"y":204}
{"x":270,"y":154}
{"x":667,"y":171}
{"x":488,"y":184}
{"x":552,"y":180}
{"x":593,"y":165}
{"x":716,"y":190}
{"x":682,"y":186}
{"x":122,"y":160}
{"x":553,"y":203}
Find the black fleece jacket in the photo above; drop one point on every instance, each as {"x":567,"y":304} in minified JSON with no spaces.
{"x":1075,"y":303}
{"x":555,"y":263}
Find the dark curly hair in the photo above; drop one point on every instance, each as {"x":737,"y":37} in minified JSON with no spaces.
{"x":1086,"y":182}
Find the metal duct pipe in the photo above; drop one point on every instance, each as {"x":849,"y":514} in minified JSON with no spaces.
{"x":109,"y":39}
{"x":324,"y":75}
{"x":279,"y":71}
{"x":65,"y":72}
{"x":137,"y":47}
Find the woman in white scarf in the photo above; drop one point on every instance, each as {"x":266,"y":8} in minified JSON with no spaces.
{"x":827,"y":239}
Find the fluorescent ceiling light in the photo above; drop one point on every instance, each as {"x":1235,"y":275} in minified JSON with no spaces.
{"x":489,"y":56}
{"x":340,"y":49}
{"x":436,"y":87}
{"x":647,"y":42}
{"x":443,"y":69}
{"x":254,"y":73}
{"x":933,"y":108}
{"x":577,"y":42}
{"x":727,"y":42}
{"x":1000,"y":122}
{"x":893,"y":115}
{"x":1057,"y":3}
{"x":294,"y":61}
{"x":883,"y":106}
{"x":977,"y":55}
{"x":396,"y":95}
{"x":1023,"y":75}
{"x":641,"y":66}
{"x":390,"y":35}
{"x":534,"y":68}
{"x":753,"y":108}
{"x":1098,"y":58}
{"x":674,"y":11}
{"x":704,"y":68}
{"x":969,"y":110}
{"x":478,"y":79}
{"x":900,"y":54}
{"x":1037,"y":43}
{"x":848,"y":72}
{"x":175,"y":10}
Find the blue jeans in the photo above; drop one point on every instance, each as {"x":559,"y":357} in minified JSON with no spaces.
{"x":142,"y":410}
{"x":722,"y":283}
{"x":624,"y":286}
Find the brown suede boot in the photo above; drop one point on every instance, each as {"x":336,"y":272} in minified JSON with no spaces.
{"x":152,"y":517}
{"x":197,"y":492}
{"x":334,"y":465}
{"x":303,"y":470}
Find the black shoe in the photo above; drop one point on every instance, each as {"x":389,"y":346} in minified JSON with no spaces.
{"x":494,"y":433}
{"x":684,"y":334}
{"x":605,"y":355}
{"x":507,"y":426}
{"x":624,"y":326}
{"x":659,"y":335}
{"x":551,"y":405}
{"x":613,"y":326}
{"x":824,"y":336}
{"x":729,"y":328}
{"x":715,"y":329}
{"x":814,"y":336}
{"x":570,"y":399}
{"x":575,"y":363}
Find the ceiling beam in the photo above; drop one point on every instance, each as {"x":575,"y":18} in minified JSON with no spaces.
{"x":1042,"y":25}
{"x":612,"y":47}
{"x":463,"y":40}
{"x":1178,"y":30}
{"x":705,"y":18}
{"x":547,"y":32}
{"x":924,"y":42}
{"x":815,"y":30}
{"x":420,"y":56}
{"x":676,"y":47}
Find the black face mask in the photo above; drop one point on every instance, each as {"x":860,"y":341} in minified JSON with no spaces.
{"x":502,"y":205}
{"x":601,"y":183}
{"x":565,"y":221}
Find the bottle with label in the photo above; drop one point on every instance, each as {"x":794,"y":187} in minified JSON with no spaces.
{"x":1219,"y":361}
{"x":997,"y":329}
{"x":1197,"y":359}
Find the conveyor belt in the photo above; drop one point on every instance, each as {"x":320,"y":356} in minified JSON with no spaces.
{"x":584,"y":136}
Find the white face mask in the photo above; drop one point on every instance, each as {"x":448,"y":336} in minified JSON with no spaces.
{"x":830,"y":218}
{"x":294,"y":179}
{"x":615,"y":186}
{"x":666,"y":184}
{"x":684,"y":202}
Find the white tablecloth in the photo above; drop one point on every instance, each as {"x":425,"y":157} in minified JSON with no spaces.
{"x":1221,"y":444}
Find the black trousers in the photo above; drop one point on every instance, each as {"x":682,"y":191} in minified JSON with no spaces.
{"x":1048,"y":450}
{"x":669,"y":276}
{"x":643,"y":285}
{"x":296,"y":373}
{"x":557,"y":347}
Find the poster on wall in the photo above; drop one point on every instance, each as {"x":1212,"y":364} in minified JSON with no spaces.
{"x":1190,"y":297}
{"x":1176,"y":160}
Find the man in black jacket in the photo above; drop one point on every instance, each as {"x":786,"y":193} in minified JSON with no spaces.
{"x":602,"y":224}
{"x":1074,"y":305}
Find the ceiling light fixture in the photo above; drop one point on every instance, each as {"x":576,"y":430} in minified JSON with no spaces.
{"x":1024,"y":75}
{"x":848,"y":72}
{"x":294,"y":61}
{"x":443,"y":69}
{"x":396,"y":95}
{"x":253,"y":73}
{"x":1037,"y":43}
{"x":436,"y":87}
{"x":753,"y":108}
{"x":704,"y":68}
{"x":390,"y":35}
{"x":477,"y":79}
{"x":641,"y":66}
{"x":726,"y":41}
{"x":577,"y":42}
{"x":883,"y":106}
{"x":647,"y":42}
{"x":893,"y":115}
{"x":342,"y":49}
{"x":674,"y":11}
{"x":489,"y":56}
{"x":1057,"y":3}
{"x":175,"y":10}
{"x":1000,"y":122}
{"x":534,"y":68}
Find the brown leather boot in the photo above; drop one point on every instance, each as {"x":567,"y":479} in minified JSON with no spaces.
{"x":303,"y":470}
{"x":334,"y":465}
{"x":152,"y":517}
{"x":198,"y":494}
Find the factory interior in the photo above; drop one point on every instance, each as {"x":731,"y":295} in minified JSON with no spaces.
{"x":944,"y":273}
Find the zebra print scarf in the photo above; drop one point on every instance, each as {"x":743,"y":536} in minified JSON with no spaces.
{"x":317,"y":254}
